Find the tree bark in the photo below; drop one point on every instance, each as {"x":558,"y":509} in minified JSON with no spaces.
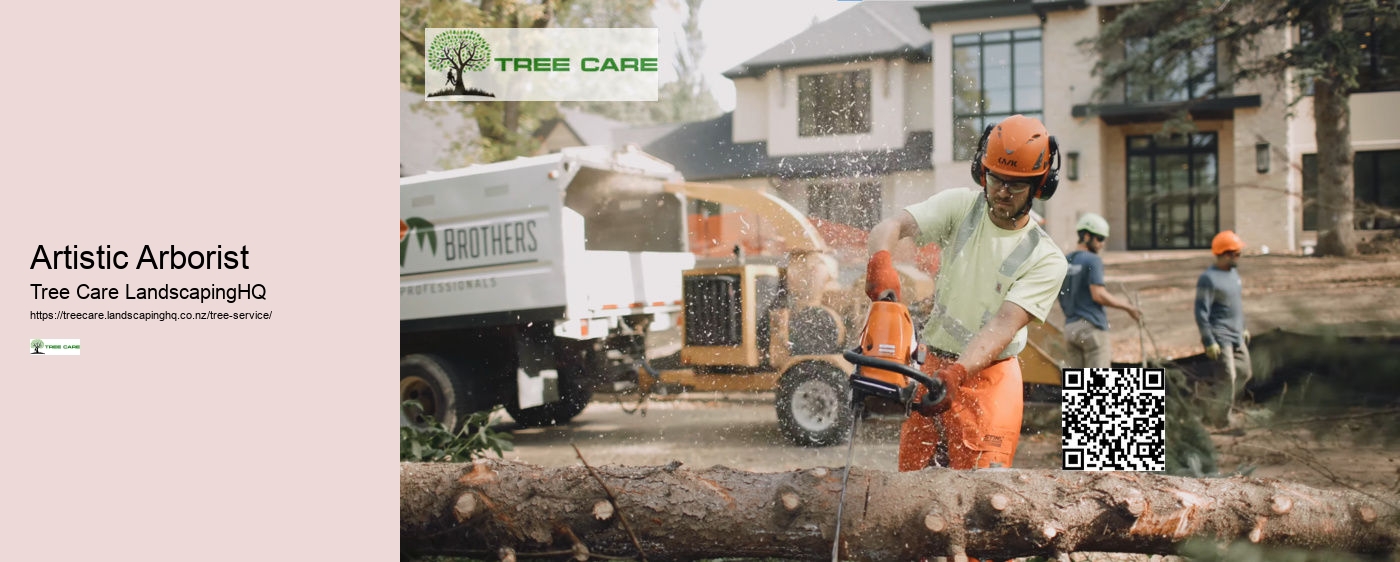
{"x":677,"y":513}
{"x":1336,"y":231}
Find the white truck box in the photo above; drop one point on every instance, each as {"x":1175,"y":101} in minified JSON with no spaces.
{"x":583,"y":245}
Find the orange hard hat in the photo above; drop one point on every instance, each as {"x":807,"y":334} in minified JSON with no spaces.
{"x":1018,"y":147}
{"x":1226,"y":241}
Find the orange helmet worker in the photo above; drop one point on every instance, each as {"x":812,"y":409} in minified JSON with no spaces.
{"x":1226,"y":241}
{"x":1219,"y":312}
{"x":998,"y":271}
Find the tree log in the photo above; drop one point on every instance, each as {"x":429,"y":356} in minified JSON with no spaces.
{"x":681,"y":514}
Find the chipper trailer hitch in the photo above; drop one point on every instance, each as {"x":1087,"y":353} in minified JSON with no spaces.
{"x":886,"y":377}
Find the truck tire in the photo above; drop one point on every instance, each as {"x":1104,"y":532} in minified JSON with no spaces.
{"x":434,"y":384}
{"x":574,"y":396}
{"x":814,"y":404}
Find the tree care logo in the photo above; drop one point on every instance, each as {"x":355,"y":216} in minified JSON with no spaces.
{"x":52,"y":346}
{"x":423,"y":229}
{"x":456,"y":52}
{"x":559,"y":64}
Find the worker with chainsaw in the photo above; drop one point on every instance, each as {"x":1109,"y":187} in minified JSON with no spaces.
{"x":997,"y":271}
{"x":1083,"y":297}
{"x":1220,"y":319}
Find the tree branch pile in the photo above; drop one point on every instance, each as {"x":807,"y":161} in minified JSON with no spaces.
{"x":499,"y":508}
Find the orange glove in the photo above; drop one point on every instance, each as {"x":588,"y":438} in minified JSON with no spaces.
{"x":880,"y":276}
{"x":952,"y":377}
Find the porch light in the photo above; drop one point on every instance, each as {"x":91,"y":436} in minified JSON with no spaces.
{"x":1073,"y":171}
{"x":1261,"y":157}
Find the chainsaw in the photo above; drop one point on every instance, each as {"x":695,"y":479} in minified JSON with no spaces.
{"x":886,"y":378}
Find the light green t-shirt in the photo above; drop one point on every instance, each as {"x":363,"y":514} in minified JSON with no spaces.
{"x":981,"y":266}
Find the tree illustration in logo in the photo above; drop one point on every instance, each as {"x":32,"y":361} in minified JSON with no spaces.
{"x":36,"y":344}
{"x":424,"y":230}
{"x":456,"y":51}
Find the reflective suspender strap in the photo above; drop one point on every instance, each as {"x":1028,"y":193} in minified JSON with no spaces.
{"x":1022,"y":252}
{"x":969,"y":224}
{"x":951,"y":325}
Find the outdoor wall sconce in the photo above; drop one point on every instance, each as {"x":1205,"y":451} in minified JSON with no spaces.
{"x":1073,"y":171}
{"x":1261,"y":157}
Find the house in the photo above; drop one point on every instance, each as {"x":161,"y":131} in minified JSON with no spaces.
{"x":1242,"y":168}
{"x":834,"y":120}
{"x":881,"y":106}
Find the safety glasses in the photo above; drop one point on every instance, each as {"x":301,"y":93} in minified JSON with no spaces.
{"x":1015,"y":187}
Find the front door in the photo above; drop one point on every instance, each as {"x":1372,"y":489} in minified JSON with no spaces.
{"x":1173,"y":191}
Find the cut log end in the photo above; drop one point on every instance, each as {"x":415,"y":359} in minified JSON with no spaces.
{"x":819,"y":472}
{"x":1257,"y":533}
{"x":465,"y":507}
{"x":1367,"y":513}
{"x":1281,"y":505}
{"x":935,"y":523}
{"x":507,"y":554}
{"x":602,"y":510}
{"x":1049,"y":531}
{"x":791,"y":502}
{"x":999,"y":502}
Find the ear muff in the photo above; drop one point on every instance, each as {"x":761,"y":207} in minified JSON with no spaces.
{"x":1052,"y":178}
{"x":979,"y":173}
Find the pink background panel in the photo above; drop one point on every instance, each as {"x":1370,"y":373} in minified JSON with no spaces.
{"x":266,"y":124}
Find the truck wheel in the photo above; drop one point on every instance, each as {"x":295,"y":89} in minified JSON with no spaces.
{"x":431,"y":381}
{"x":573,"y":398}
{"x":814,"y":405}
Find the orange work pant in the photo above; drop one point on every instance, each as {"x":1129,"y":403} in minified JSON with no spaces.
{"x":983,"y":424}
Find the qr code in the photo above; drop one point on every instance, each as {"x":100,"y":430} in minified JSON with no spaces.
{"x":1113,"y":419}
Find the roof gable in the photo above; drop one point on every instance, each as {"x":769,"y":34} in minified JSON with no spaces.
{"x":866,"y":31}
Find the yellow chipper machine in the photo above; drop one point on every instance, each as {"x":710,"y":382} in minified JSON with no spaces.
{"x":782,"y":327}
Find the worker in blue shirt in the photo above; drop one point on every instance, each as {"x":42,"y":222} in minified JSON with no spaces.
{"x":1220,"y":317}
{"x":1083,"y":297}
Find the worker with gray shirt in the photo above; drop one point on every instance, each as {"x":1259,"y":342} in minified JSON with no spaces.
{"x":1083,"y":296}
{"x":1220,"y":318}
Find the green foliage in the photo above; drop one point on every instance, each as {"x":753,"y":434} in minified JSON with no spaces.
{"x":1190,"y":451}
{"x":1164,"y":34}
{"x":607,"y":13}
{"x":434,"y":442}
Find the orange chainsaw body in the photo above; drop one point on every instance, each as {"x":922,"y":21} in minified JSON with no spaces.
{"x":889,"y":335}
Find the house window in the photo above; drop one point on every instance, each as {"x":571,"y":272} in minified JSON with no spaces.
{"x":995,"y":75}
{"x":1376,"y":188}
{"x":836,"y":103}
{"x":1172,"y":191}
{"x":1380,"y":52}
{"x":852,"y":203}
{"x":1378,"y":68}
{"x":1186,"y":78}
